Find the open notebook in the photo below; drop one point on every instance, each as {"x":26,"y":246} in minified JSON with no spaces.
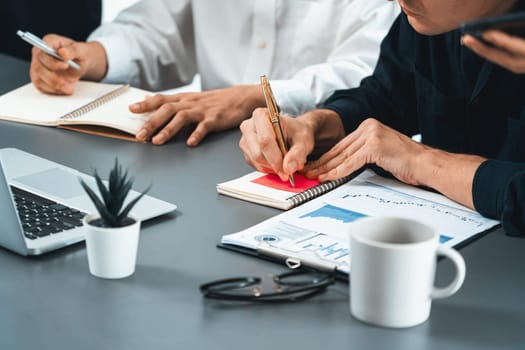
{"x":95,"y":108}
{"x":270,"y":190}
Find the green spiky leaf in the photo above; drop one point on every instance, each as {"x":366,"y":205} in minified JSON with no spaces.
{"x":105,"y":215}
{"x":102,"y":188}
{"x":112,"y":197}
{"x":124,"y":213}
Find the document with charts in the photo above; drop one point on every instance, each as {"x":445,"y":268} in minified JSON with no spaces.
{"x":315,"y":234}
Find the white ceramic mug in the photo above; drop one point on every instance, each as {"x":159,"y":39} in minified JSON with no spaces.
{"x":393,"y":265}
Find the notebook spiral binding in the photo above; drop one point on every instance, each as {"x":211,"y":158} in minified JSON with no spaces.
{"x":96,"y":103}
{"x":318,"y":190}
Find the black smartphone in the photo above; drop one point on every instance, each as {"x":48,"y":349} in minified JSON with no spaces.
{"x":512,"y":23}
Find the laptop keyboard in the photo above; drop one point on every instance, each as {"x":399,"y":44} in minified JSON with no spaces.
{"x":42,"y":217}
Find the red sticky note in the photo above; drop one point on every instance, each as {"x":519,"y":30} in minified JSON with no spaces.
{"x":274,"y":181}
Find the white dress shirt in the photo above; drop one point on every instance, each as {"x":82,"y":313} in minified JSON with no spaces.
{"x":307,"y":48}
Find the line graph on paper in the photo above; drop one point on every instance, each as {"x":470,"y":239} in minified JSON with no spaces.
{"x":377,"y":199}
{"x":328,"y":248}
{"x":323,"y":247}
{"x":319,"y":232}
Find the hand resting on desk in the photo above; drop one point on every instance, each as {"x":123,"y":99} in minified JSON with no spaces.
{"x":210,"y":111}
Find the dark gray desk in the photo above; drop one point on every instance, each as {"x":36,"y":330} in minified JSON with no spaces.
{"x":52,"y":302}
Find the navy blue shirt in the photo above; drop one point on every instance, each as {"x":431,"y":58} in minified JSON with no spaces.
{"x":458,"y":102}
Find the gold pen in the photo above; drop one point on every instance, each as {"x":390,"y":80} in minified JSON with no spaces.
{"x":274,"y":119}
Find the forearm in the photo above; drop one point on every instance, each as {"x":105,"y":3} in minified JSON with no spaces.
{"x":448,"y":173}
{"x":252,"y":97}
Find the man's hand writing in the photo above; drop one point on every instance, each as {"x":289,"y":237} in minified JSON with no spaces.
{"x":53,"y":76}
{"x":314,"y":131}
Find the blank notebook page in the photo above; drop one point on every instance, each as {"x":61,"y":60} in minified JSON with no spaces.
{"x":30,"y":105}
{"x":115,"y":112}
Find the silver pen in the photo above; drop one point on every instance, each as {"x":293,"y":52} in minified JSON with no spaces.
{"x":41,"y":44}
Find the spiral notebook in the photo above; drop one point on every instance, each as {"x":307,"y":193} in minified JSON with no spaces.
{"x":94,"y":108}
{"x":270,"y":190}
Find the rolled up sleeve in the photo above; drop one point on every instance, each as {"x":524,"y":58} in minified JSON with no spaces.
{"x":498,"y":192}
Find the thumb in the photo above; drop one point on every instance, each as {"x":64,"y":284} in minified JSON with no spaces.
{"x":67,"y":48}
{"x":70,"y":51}
{"x":295,"y":158}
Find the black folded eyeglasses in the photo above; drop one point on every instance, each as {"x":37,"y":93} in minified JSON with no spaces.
{"x":286,"y":287}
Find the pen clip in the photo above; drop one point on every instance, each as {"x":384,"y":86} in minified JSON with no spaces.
{"x":293,"y":262}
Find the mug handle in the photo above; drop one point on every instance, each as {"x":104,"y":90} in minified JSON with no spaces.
{"x":459,"y":263}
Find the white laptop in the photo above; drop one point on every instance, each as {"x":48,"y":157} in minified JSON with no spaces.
{"x":42,"y":203}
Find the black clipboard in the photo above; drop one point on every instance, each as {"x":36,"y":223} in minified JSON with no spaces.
{"x":339,"y":275}
{"x":281,"y":260}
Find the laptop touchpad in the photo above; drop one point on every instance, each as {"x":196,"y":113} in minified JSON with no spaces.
{"x":55,"y":182}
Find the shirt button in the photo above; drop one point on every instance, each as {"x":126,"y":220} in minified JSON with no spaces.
{"x":262,"y":44}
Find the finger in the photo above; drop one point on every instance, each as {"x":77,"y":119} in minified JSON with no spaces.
{"x":49,"y":62}
{"x":52,"y":72}
{"x":55,"y":83}
{"x":335,"y":161}
{"x":71,"y":51}
{"x":150,"y":103}
{"x":346,"y":167}
{"x":294,"y":160}
{"x":153,"y":102}
{"x":57,"y":41}
{"x":251,"y":148}
{"x":66,"y":48}
{"x":202,"y":129}
{"x":159,"y":118}
{"x":51,"y":84}
{"x":244,"y":145}
{"x":332,"y":154}
{"x":258,"y":167}
{"x":296,"y":157}
{"x":507,"y":42}
{"x":494,"y":55}
{"x":179,"y":120}
{"x":44,"y":87}
{"x":267,"y":142}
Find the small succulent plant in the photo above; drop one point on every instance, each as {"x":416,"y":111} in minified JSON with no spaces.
{"x":110,"y":204}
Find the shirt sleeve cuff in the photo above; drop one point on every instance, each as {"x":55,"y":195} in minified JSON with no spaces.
{"x":490,"y":183}
{"x":292,"y":97}
{"x":120,"y":67}
{"x":344,"y":110}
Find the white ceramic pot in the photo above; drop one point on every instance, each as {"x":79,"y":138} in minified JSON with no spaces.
{"x":112,"y":252}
